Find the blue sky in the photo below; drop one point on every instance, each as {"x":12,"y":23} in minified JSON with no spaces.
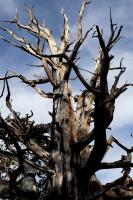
{"x":48,"y":12}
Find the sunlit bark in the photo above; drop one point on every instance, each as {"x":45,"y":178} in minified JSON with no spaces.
{"x":66,"y":158}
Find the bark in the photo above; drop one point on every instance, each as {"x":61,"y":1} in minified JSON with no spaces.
{"x":68,"y":159}
{"x":64,"y":133}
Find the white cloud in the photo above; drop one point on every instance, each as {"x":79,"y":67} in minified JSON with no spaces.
{"x":123,"y":111}
{"x":25,"y":100}
{"x":8,"y":7}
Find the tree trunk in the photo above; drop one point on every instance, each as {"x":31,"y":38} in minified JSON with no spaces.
{"x":69,"y":163}
{"x":69,"y":181}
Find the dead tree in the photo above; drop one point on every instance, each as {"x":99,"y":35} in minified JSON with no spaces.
{"x":67,"y":158}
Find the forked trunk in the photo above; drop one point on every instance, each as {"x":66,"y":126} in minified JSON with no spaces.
{"x":69,"y":182}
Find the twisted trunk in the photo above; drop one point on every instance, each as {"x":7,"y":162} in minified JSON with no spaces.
{"x":68,"y":181}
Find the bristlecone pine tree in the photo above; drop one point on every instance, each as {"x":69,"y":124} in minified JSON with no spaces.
{"x":67,"y":158}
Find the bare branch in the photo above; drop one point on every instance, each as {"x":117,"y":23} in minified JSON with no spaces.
{"x":118,"y":189}
{"x":114,"y":165}
{"x":78,"y":45}
{"x":83,"y":80}
{"x":34,"y":82}
{"x":114,"y":37}
{"x":122,"y":146}
{"x":48,"y":72}
{"x":80,"y":36}
{"x":101,"y":40}
{"x":120,"y":90}
{"x":65,"y":36}
{"x":70,"y":133}
{"x":45,"y":33}
{"x":87,"y":71}
{"x":29,"y":162}
{"x":17,"y":128}
{"x":27,"y":47}
{"x":13,"y":35}
{"x":37,"y":29}
{"x":85,"y":2}
{"x":31,"y":83}
{"x":17,"y":146}
{"x":122,"y":70}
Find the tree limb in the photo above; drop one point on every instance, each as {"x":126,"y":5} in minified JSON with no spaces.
{"x":114,"y":165}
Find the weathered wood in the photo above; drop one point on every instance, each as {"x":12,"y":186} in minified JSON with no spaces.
{"x":65,"y":158}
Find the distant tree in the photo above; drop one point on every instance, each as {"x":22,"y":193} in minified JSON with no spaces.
{"x":62,"y":163}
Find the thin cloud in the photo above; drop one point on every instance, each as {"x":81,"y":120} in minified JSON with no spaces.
{"x":25,"y":100}
{"x":8,"y":7}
